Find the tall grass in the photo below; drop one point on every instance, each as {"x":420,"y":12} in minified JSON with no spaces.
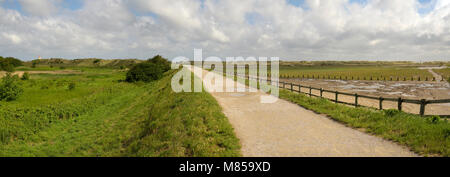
{"x":104,"y":117}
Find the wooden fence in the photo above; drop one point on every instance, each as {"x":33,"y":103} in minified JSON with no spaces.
{"x":374,"y":78}
{"x":290,"y":86}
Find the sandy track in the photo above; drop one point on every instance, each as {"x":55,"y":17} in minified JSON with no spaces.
{"x":286,"y":129}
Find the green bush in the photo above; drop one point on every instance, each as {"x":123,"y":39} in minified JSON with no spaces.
{"x":9,"y":88}
{"x":161,"y":62}
{"x":9,"y":63}
{"x":145,"y":72}
{"x":26,"y":76}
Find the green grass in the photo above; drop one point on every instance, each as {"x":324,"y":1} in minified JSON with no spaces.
{"x":37,"y":68}
{"x":105,"y":117}
{"x":424,"y":136}
{"x":444,"y":73}
{"x":361,"y":72}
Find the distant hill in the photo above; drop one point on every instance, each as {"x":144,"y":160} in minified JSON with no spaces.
{"x":86,"y":62}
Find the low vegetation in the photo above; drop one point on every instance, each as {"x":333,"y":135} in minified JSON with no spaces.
{"x":9,"y":88}
{"x":9,"y":63}
{"x":150,"y":70}
{"x":444,"y":73}
{"x":94,"y":113}
{"x":426,"y":136}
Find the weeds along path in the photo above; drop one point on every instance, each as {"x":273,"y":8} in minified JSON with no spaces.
{"x":285,"y":129}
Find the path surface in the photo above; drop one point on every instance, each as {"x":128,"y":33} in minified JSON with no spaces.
{"x":286,"y":129}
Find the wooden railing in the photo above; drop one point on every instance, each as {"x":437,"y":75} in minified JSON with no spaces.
{"x":291,"y":86}
{"x":370,"y":78}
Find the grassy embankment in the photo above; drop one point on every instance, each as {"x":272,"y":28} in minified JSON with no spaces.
{"x":105,"y":117}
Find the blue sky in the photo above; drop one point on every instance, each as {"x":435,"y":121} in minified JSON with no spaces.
{"x":67,"y":4}
{"x":389,"y":29}
{"x":77,"y":4}
{"x":429,"y":5}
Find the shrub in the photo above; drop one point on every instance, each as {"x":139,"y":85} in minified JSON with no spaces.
{"x":8,"y":63}
{"x":145,"y":72}
{"x":72,"y":86}
{"x":161,"y":62}
{"x":9,"y":88}
{"x":6,"y":67}
{"x":96,"y":61}
{"x":26,"y":76}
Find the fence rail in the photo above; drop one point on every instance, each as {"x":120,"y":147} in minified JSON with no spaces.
{"x":368,"y":78}
{"x":291,"y":86}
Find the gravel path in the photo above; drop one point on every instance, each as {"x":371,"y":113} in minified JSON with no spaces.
{"x":286,"y":129}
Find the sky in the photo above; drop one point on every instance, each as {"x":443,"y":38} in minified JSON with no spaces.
{"x":416,"y":30}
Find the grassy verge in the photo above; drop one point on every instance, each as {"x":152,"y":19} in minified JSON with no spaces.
{"x":183,"y":124}
{"x":127,"y":120}
{"x":425,"y":136}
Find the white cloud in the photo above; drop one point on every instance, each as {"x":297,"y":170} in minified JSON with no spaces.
{"x":326,"y":29}
{"x":12,"y":37}
{"x":39,"y":7}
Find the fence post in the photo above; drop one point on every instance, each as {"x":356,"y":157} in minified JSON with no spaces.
{"x":336,"y":96}
{"x":356,"y":100}
{"x":321,"y":92}
{"x":292,"y":88}
{"x":299,"y":88}
{"x":399,"y":103}
{"x":309,"y":91}
{"x":423,"y":102}
{"x":381,"y":103}
{"x":284,"y":85}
